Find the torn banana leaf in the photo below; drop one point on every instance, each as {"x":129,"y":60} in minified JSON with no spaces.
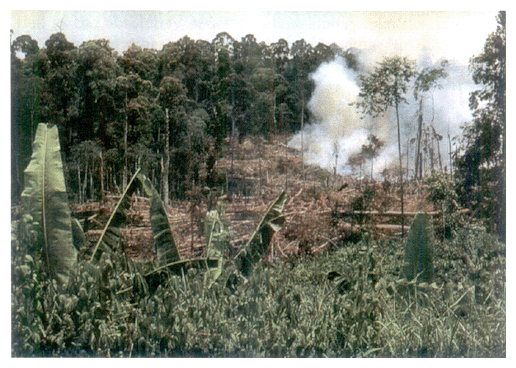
{"x":164,"y":242}
{"x":111,"y":236}
{"x":257,"y":245}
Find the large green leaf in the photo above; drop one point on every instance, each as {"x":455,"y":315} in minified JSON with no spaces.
{"x":257,"y":245}
{"x":164,"y":242}
{"x":419,"y":249}
{"x":111,"y":235}
{"x":45,"y":199}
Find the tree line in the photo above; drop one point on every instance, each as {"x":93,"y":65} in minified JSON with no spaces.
{"x":166,"y":111}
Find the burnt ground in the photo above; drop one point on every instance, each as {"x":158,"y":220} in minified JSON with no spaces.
{"x":323,"y":210}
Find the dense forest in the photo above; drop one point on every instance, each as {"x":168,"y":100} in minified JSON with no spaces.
{"x":164,"y":111}
{"x":142,"y":149}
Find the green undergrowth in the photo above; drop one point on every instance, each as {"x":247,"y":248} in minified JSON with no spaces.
{"x":351,"y":302}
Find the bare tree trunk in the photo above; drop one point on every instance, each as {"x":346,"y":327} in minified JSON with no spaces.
{"x":126,"y":132}
{"x":92,"y":187}
{"x":166,"y":164}
{"x":85,"y":183}
{"x":401,"y":173}
{"x":260,"y":165}
{"x":273,"y":97}
{"x":286,"y":157}
{"x":408,"y":143}
{"x":431,"y":151}
{"x":303,"y":140}
{"x":419,"y":134}
{"x":439,"y":155}
{"x":421,"y":166}
{"x":450,"y":154}
{"x":102,"y":192}
{"x":79,"y":189}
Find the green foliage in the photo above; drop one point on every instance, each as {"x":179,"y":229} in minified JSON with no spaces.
{"x":348,"y":303}
{"x":45,"y":200}
{"x":441,"y":191}
{"x":386,"y":86}
{"x":427,"y":78}
{"x":481,"y":166}
{"x":164,"y":242}
{"x":118,"y":102}
{"x":419,"y":250}
{"x":217,"y":239}
{"x":290,"y":309}
{"x":271,"y":222}
{"x":110,"y":239}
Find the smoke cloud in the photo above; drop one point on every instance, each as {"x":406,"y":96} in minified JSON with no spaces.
{"x":336,"y":130}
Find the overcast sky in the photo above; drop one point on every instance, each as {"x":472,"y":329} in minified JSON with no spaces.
{"x":449,"y":34}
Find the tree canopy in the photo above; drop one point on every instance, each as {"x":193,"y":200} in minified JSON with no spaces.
{"x":194,"y":93}
{"x":481,"y":163}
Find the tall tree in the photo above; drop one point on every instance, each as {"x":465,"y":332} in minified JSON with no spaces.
{"x":24,"y":107}
{"x":97,"y":72}
{"x":223,"y":121}
{"x":386,"y":87}
{"x":56,"y":67}
{"x":173,"y":99}
{"x":482,"y":163}
{"x":137,"y":89}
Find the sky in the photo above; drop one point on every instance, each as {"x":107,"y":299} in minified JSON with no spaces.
{"x":450,"y":34}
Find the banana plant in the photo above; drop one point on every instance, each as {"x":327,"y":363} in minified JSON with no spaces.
{"x":164,"y":242}
{"x":44,"y":198}
{"x":419,"y":250}
{"x":110,"y":238}
{"x":271,"y":222}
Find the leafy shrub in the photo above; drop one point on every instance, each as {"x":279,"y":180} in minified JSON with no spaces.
{"x":441,"y":192}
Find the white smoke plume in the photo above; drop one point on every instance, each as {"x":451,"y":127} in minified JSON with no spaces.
{"x":336,"y":130}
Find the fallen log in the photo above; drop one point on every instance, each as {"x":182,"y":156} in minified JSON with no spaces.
{"x":390,"y":227}
{"x":394,"y":213}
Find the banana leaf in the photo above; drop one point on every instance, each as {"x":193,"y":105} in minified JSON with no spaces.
{"x":45,"y":199}
{"x":257,"y":245}
{"x":419,"y":252}
{"x":110,"y":238}
{"x":164,"y":242}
